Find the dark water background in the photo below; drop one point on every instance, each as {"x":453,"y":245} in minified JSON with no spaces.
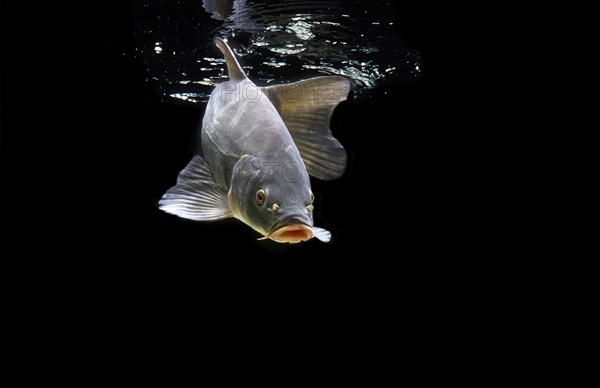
{"x":277,"y":41}
{"x":100,"y":107}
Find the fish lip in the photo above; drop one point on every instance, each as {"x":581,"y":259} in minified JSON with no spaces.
{"x":292,"y":234}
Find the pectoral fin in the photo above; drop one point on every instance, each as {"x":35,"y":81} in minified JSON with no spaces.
{"x":306,"y":108}
{"x":196,"y":196}
{"x":322,"y":234}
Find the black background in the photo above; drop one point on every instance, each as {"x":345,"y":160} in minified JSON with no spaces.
{"x":100,"y":286}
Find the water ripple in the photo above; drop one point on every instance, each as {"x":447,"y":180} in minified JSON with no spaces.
{"x":277,"y":42}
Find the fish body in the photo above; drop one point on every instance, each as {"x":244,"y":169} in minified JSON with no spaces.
{"x":260,"y":146}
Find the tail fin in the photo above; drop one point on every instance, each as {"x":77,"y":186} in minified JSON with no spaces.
{"x":233,"y":67}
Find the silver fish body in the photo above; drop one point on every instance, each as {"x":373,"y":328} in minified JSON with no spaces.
{"x":260,"y":145}
{"x":241,"y":120}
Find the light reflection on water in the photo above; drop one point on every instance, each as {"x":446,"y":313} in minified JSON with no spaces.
{"x":276,"y":41}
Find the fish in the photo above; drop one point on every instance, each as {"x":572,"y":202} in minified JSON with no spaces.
{"x":260,"y":147}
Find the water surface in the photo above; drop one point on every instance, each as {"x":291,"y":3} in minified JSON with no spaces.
{"x":276,"y":42}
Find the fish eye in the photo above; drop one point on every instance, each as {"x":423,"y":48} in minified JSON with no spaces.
{"x":312,"y":197}
{"x":260,"y":197}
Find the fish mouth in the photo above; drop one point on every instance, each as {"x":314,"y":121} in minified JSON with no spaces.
{"x":292,"y":234}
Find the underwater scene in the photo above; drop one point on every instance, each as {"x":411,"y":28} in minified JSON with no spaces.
{"x":128,"y":247}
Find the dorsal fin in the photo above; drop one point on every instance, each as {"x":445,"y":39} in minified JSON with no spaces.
{"x":233,"y":67}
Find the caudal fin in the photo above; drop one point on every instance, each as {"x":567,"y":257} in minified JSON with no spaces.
{"x":306,"y":108}
{"x":234,"y":69}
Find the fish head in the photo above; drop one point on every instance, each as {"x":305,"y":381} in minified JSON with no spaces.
{"x":274,"y":198}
